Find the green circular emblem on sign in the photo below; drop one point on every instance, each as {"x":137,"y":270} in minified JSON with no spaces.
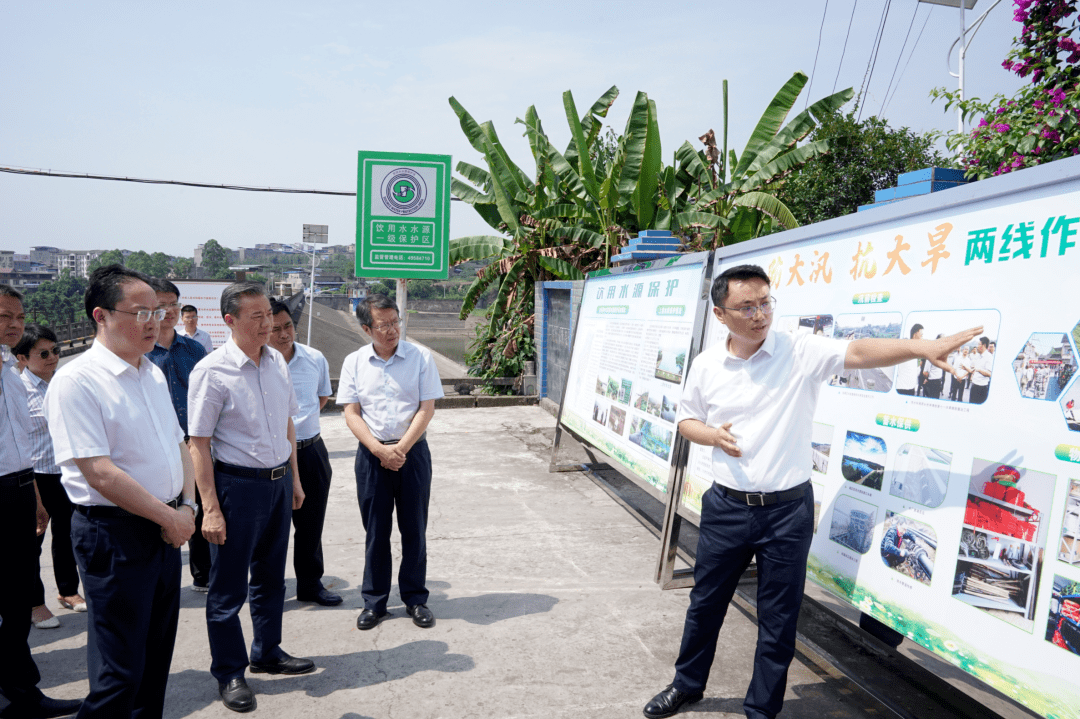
{"x":403,"y":191}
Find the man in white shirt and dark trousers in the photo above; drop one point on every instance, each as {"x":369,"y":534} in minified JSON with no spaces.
{"x":240,"y":404}
{"x":126,"y":469}
{"x":388,"y":390}
{"x":18,"y":540}
{"x":752,"y":398}
{"x":310,"y":374}
{"x":981,"y":365}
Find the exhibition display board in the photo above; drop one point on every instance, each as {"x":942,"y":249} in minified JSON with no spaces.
{"x":636,"y":331}
{"x":205,"y":296}
{"x":948,"y":499}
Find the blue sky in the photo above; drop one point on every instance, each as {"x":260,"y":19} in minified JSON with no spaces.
{"x":865,"y":446}
{"x":285,"y":94}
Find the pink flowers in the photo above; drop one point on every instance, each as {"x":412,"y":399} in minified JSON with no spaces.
{"x":1001,"y":127}
{"x":1051,"y":135}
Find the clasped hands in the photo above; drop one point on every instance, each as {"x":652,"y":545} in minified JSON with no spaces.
{"x":179,"y":528}
{"x":390,"y":456}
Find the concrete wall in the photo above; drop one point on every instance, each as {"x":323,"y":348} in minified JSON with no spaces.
{"x":557,"y":304}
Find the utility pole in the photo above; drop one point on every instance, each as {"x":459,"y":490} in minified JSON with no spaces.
{"x":313,"y":234}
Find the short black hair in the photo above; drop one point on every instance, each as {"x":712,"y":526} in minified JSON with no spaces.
{"x":376,"y":301}
{"x":188,"y":308}
{"x":277,"y":306}
{"x":106,"y":288}
{"x":31,"y":335}
{"x":165,"y":286}
{"x":9,"y":291}
{"x":742,"y":272}
{"x":231,"y":295}
{"x":984,"y":341}
{"x":915,"y":328}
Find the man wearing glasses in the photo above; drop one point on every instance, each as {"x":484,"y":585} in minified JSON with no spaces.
{"x":126,"y":469}
{"x":388,"y":389}
{"x":751,"y":397}
{"x":176,"y":355}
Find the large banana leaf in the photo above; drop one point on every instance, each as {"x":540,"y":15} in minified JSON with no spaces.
{"x":799,"y":127}
{"x":561,"y":268}
{"x":467,"y":193}
{"x":690,"y":160}
{"x":479,"y":247}
{"x":565,"y":211}
{"x":635,"y":137}
{"x":580,"y":234}
{"x":706,"y":219}
{"x":585,"y":167}
{"x":469,"y":126}
{"x":590,"y":124}
{"x":509,"y":282}
{"x":784,"y":164}
{"x":774,"y":208}
{"x":472,"y":173}
{"x":771,"y":121}
{"x":514,"y":181}
{"x":652,"y":164}
{"x":558,"y":162}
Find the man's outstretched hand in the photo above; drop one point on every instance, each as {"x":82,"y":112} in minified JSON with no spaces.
{"x":940,"y":349}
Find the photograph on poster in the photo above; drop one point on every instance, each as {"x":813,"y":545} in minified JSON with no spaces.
{"x":600,"y":412}
{"x":651,"y":437}
{"x":1044,"y":365}
{"x":920,"y":474}
{"x":819,"y":490}
{"x":1002,"y":540}
{"x":1063,"y":623}
{"x":857,"y":327}
{"x":821,"y":446}
{"x":909,"y":547}
{"x":625,"y":389}
{"x":971,"y":366}
{"x":671,"y":358}
{"x":853,"y":523}
{"x":612,"y":390}
{"x":1070,"y":406}
{"x":617,"y":420}
{"x":864,"y":459}
{"x":1069,"y":546}
{"x":811,"y":324}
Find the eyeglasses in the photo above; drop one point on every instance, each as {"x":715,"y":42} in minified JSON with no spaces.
{"x":44,"y":354}
{"x":388,"y":326}
{"x":144,"y":315}
{"x":750,"y":312}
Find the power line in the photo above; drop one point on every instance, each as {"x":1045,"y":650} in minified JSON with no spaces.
{"x":900,"y":56}
{"x":910,"y":55}
{"x":844,"y":51}
{"x":814,"y":70}
{"x":873,"y":58}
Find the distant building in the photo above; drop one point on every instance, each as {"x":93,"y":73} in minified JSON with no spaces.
{"x":78,"y":262}
{"x":25,"y":280}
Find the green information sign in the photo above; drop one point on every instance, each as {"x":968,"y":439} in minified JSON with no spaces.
{"x":403,"y":215}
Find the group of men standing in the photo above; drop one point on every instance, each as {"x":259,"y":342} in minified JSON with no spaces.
{"x":161,"y":443}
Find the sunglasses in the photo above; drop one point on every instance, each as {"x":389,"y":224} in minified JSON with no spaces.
{"x":44,"y":354}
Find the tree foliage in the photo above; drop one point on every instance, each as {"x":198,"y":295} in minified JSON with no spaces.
{"x":112,"y":257}
{"x":182,"y":267}
{"x":1041,"y":123}
{"x":863,"y":157}
{"x":58,"y":301}
{"x":215,"y":261}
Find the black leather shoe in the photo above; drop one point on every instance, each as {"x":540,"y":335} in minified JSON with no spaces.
{"x":236,"y":695}
{"x":369,"y":619}
{"x":668,"y":702}
{"x":42,"y":708}
{"x":323,"y":597}
{"x":284,"y":665}
{"x":421,"y":616}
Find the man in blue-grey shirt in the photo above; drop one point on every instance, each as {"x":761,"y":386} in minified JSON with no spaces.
{"x":310,"y":374}
{"x":388,"y":390}
{"x":176,"y":355}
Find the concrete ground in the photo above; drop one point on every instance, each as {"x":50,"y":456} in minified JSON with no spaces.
{"x":541,"y":583}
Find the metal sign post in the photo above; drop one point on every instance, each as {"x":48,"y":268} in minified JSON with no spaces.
{"x":313,"y":234}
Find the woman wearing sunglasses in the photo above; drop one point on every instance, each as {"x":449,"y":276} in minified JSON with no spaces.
{"x":39,"y":355}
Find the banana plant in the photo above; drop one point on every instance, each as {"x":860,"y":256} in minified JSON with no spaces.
{"x":727,"y":195}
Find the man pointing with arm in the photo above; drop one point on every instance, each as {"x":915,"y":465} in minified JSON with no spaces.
{"x":752,"y":398}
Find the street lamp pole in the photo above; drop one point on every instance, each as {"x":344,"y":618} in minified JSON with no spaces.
{"x":313,"y":234}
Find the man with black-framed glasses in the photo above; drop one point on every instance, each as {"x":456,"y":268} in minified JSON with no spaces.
{"x":752,"y":397}
{"x":388,"y":390}
{"x":126,"y":469}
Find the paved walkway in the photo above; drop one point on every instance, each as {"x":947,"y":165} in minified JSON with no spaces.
{"x":541,"y":584}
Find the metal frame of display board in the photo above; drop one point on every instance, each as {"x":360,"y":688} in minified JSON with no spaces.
{"x":680,"y":447}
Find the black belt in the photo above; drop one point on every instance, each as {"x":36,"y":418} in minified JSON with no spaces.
{"x":103,"y":510}
{"x":251,"y":472}
{"x":18,"y":479}
{"x":764,"y":499}
{"x":304,"y":443}
{"x":389,"y":442}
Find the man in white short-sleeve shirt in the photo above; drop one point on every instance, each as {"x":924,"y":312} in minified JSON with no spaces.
{"x":388,"y":389}
{"x":125,"y":467}
{"x":752,"y":399}
{"x":981,"y":366}
{"x":310,"y":374}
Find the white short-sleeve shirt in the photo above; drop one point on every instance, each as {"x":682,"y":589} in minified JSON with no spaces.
{"x":770,"y":401}
{"x":389,"y":392}
{"x":98,"y":405}
{"x":982,"y":361}
{"x":15,"y":447}
{"x":203,"y":338}
{"x":311,"y":380}
{"x":243,"y":407}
